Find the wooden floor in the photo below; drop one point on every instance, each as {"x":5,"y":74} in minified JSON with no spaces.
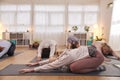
{"x":27,"y":56}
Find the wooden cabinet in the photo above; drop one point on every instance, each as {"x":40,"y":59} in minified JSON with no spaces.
{"x":19,"y":38}
{"x":84,"y":38}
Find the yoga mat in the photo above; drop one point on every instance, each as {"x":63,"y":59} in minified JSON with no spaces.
{"x":112,"y":57}
{"x":113,"y":61}
{"x":6,"y":56}
{"x":13,"y":70}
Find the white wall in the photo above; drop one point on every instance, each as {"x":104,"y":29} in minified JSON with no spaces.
{"x":105,"y":17}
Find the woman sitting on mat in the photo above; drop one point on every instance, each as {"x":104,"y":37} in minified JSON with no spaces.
{"x":68,"y":57}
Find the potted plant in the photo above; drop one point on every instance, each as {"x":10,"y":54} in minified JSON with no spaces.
{"x":86,"y":28}
{"x":75,"y":28}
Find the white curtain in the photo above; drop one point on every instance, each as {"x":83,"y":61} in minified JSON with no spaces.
{"x":15,"y":18}
{"x":49,"y":23}
{"x":114,"y":40}
{"x":82,"y":15}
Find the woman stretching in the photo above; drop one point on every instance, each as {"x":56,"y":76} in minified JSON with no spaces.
{"x":66,"y":58}
{"x":90,"y":64}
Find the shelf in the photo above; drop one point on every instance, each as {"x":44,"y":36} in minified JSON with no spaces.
{"x":19,"y":38}
{"x":84,"y":38}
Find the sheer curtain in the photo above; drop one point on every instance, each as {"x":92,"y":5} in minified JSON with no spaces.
{"x":49,"y":23}
{"x":82,"y":15}
{"x":15,"y":18}
{"x":114,"y":39}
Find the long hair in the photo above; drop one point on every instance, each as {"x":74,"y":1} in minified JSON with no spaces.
{"x":109,"y":50}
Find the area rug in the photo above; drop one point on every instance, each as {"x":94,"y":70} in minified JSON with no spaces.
{"x":13,"y":70}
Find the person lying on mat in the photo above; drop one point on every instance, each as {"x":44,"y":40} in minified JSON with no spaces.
{"x":66,"y":58}
{"x":46,"y":49}
{"x":4,"y":47}
{"x":84,"y":65}
{"x":72,"y":42}
{"x":105,"y":49}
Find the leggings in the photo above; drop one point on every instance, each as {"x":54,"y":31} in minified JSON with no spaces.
{"x":88,"y":64}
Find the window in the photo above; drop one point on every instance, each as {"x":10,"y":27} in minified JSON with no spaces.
{"x":81,"y":15}
{"x":49,"y":21}
{"x":15,"y":18}
{"x":114,"y":37}
{"x":51,"y":18}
